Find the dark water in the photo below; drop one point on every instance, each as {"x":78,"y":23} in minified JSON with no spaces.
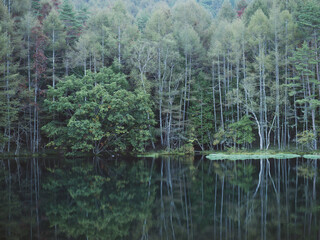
{"x":163,"y":198}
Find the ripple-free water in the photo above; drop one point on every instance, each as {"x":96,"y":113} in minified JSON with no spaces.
{"x":159,"y":198}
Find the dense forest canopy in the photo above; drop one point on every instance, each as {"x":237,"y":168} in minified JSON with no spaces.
{"x":133,"y":75}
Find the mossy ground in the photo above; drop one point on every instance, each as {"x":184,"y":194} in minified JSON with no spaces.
{"x":220,"y":156}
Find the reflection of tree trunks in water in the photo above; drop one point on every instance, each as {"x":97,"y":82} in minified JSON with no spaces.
{"x":315,"y":170}
{"x":296,"y":195}
{"x":31,"y":198}
{"x":181,"y":191}
{"x":9,"y":196}
{"x":287,"y":171}
{"x":144,"y":233}
{"x":18,"y":171}
{"x":278,"y":201}
{"x":260,"y":177}
{"x":170,"y":193}
{"x":306,"y":183}
{"x":215,"y":206}
{"x":190,"y":210}
{"x":36,"y":190}
{"x":264,"y":199}
{"x":239,"y":219}
{"x":221,"y":206}
{"x":162,"y":217}
{"x":261,"y":181}
{"x":202,"y":194}
{"x":314,"y":188}
{"x":189,"y":197}
{"x":186,"y":203}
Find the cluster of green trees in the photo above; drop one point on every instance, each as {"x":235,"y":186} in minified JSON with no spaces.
{"x":128,"y":75}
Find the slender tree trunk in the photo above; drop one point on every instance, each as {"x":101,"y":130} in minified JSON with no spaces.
{"x":185,"y":92}
{"x":160,"y":95}
{"x":53,"y":61}
{"x":286,"y":90}
{"x":119,"y":46}
{"x":214,"y":99}
{"x":277,"y":81}
{"x":8,"y":101}
{"x":244,"y":71}
{"x":220,"y":95}
{"x":261,"y":93}
{"x":238,"y":104}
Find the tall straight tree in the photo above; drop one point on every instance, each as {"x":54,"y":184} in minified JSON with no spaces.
{"x":72,"y":29}
{"x":53,"y":28}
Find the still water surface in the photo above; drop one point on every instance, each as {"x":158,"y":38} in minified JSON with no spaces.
{"x":159,"y":198}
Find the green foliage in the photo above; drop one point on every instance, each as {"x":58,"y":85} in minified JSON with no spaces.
{"x":202,"y":72}
{"x":71,"y":23}
{"x":309,"y":14}
{"x":306,"y":139}
{"x":256,"y":5}
{"x":227,"y":12}
{"x":98,"y":113}
{"x":242,"y":131}
{"x":305,"y":61}
{"x":241,"y":4}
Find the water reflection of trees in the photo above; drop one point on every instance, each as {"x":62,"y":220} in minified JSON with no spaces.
{"x":265,"y":199}
{"x":19,"y":198}
{"x":113,"y":204}
{"x":168,"y":198}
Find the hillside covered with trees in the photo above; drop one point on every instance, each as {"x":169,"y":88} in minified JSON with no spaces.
{"x":136,"y":75}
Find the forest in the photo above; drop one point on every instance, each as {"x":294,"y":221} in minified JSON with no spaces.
{"x":137,"y":75}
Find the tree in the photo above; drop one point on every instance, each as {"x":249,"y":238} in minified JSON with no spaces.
{"x":54,"y":30}
{"x":71,"y":27}
{"x":304,"y":61}
{"x":98,"y":113}
{"x":9,"y":82}
{"x":259,"y":27}
{"x":227,"y":12}
{"x":241,"y":132}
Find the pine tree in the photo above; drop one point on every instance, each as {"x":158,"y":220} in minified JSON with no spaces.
{"x":53,"y":28}
{"x":69,"y":18}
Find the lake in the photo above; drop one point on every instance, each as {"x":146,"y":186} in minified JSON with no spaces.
{"x":158,"y":198}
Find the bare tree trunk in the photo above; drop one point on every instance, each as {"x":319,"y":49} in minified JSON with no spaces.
{"x":221,"y":206}
{"x":220,"y":95}
{"x":8,"y":102}
{"x":53,"y":61}
{"x":119,"y":46}
{"x":238,"y":104}
{"x":244,"y":71}
{"x":261,"y":120}
{"x":214,"y":99}
{"x":185,"y":91}
{"x":277,"y":81}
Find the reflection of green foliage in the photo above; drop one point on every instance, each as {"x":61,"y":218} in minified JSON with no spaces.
{"x":306,"y":171}
{"x":82,"y":203}
{"x":237,"y":174}
{"x":243,"y":176}
{"x":13,"y":217}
